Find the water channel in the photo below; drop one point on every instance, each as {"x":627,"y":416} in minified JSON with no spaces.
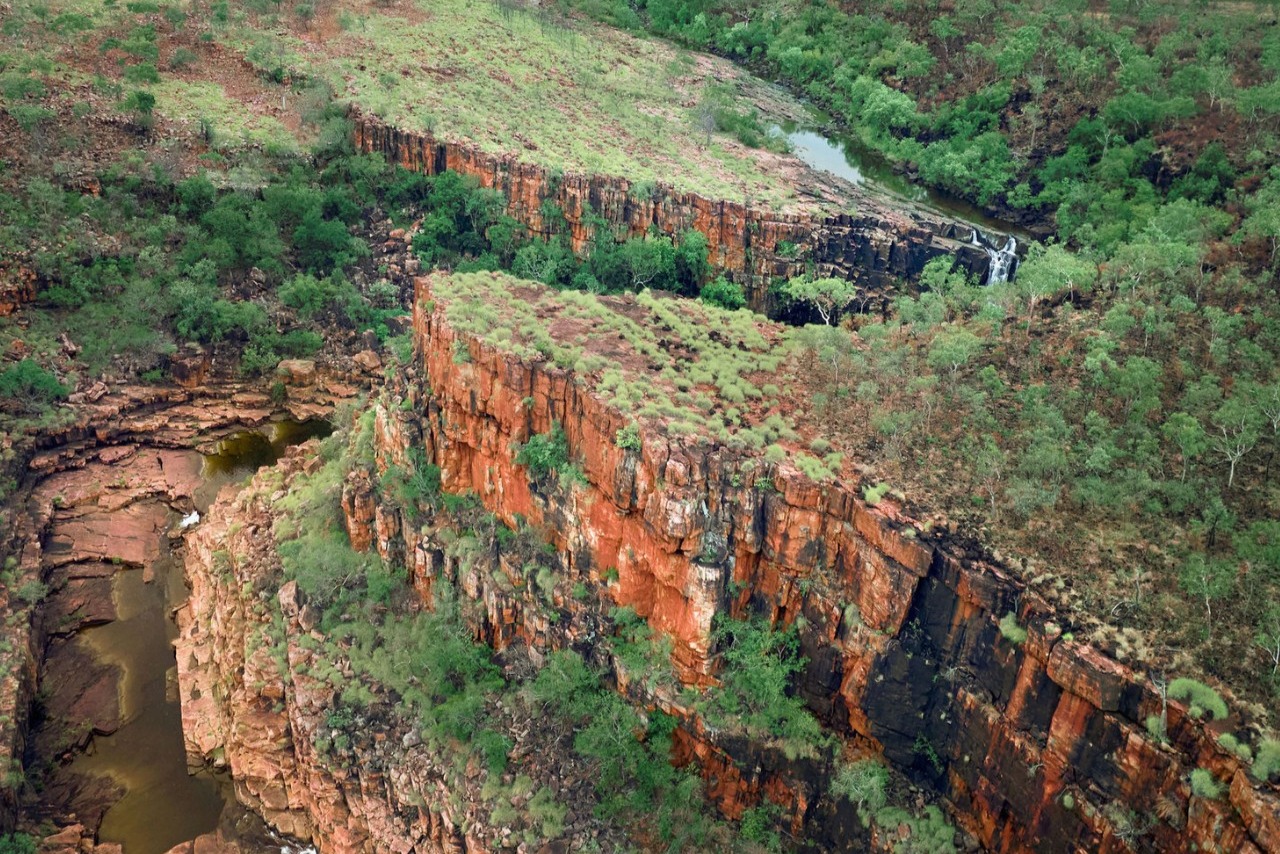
{"x":164,"y":804}
{"x":845,"y":156}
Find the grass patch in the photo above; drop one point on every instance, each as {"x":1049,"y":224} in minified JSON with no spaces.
{"x":232,"y":125}
{"x":557,"y":92}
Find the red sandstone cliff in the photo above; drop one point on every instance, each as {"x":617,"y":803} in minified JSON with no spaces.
{"x":873,"y":243}
{"x":1037,"y":746}
{"x":923,"y":669}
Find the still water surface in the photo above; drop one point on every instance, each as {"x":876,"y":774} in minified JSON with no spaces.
{"x":164,"y":804}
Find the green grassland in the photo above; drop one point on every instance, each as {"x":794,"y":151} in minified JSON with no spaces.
{"x":564,"y":94}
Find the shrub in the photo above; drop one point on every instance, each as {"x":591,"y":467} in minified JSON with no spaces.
{"x":545,"y":454}
{"x":873,"y":494}
{"x":724,"y":294}
{"x":1011,"y":631}
{"x":17,"y":843}
{"x":1199,"y":697}
{"x":182,"y":57}
{"x":1205,"y":785}
{"x":30,"y":386}
{"x":1233,"y":744}
{"x":864,"y":783}
{"x":753,"y":696}
{"x":814,"y":468}
{"x":493,"y":748}
{"x":628,"y":438}
{"x":1267,"y":763}
{"x":931,"y":833}
{"x":546,"y":813}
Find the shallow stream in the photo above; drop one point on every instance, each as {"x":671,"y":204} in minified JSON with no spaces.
{"x":844,"y":156}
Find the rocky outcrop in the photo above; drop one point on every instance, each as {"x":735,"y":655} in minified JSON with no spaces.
{"x":17,"y":287}
{"x":251,"y":704}
{"x":901,"y":625}
{"x":875,"y":242}
{"x":1035,"y":744}
{"x":94,"y":495}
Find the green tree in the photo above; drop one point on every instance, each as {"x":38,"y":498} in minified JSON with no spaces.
{"x":1239,"y":428}
{"x":953,"y":349}
{"x":1186,"y":432}
{"x":829,"y":296}
{"x":1208,"y":579}
{"x":1048,"y":269}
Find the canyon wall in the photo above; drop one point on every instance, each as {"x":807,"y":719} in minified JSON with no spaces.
{"x":1036,"y":744}
{"x":1039,"y":745}
{"x":876,"y":243}
{"x":89,"y":497}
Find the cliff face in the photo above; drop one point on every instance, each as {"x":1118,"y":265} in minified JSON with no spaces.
{"x":1038,"y":745}
{"x":92,"y":496}
{"x":901,"y":629}
{"x":875,"y":244}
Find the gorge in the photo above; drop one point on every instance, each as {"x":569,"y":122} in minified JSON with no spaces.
{"x":432,"y":426}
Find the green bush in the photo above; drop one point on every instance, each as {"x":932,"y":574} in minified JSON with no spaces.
{"x":494,"y":748}
{"x":1205,"y":785}
{"x":1200,"y":698}
{"x":865,"y":783}
{"x":546,"y":454}
{"x":1267,"y":762}
{"x":1233,"y":744}
{"x":1011,"y":631}
{"x":754,"y":695}
{"x":30,"y":386}
{"x":874,"y":494}
{"x":724,"y":294}
{"x":628,"y":438}
{"x":18,"y":843}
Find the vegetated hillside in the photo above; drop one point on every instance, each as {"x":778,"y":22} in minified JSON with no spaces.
{"x":1096,"y":111}
{"x":1114,"y":415}
{"x":519,"y":80}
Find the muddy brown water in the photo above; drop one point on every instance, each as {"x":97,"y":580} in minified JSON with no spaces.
{"x":165,"y":804}
{"x":241,"y":454}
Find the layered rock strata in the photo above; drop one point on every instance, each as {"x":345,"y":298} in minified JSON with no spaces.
{"x":1038,"y":744}
{"x":872,"y":241}
{"x":96,"y":496}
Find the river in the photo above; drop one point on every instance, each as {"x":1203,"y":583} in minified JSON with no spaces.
{"x":164,"y":802}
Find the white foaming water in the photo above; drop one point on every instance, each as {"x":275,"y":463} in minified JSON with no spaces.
{"x":1004,"y":261}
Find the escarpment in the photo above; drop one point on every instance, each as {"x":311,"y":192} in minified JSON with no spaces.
{"x":875,"y":243}
{"x":919,"y":648}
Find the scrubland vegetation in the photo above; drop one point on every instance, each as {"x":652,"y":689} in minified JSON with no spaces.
{"x":1109,"y":420}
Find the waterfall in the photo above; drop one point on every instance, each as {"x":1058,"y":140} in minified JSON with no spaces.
{"x":1004,"y":261}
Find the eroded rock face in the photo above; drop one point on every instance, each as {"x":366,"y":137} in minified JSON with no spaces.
{"x":97,"y":496}
{"x":900,"y":628}
{"x":17,"y":287}
{"x":1036,"y":746}
{"x":874,"y":243}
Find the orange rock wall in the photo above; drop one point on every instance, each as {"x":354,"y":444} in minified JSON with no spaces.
{"x":874,"y":244}
{"x":258,"y":715}
{"x":900,"y":628}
